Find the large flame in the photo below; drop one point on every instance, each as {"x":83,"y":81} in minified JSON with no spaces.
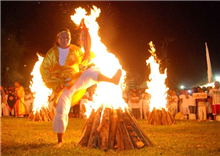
{"x":156,"y":86}
{"x":108,"y":95}
{"x":38,"y":87}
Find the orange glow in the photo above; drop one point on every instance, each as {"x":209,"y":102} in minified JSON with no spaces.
{"x":107,"y":94}
{"x":38,"y":87}
{"x":156,"y":86}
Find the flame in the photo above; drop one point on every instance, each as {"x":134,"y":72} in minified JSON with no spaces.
{"x":107,"y":94}
{"x":38,"y":87}
{"x":156,"y":86}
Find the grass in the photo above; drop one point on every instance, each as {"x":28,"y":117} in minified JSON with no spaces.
{"x":22,"y":137}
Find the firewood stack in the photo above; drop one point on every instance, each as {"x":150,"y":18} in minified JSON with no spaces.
{"x":160,"y":117}
{"x":114,"y":129}
{"x":43,"y":115}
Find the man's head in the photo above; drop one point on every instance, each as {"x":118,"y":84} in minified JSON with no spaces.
{"x":16,"y":83}
{"x":64,"y":38}
{"x":216,"y":84}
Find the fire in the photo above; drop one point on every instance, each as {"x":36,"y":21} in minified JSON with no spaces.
{"x":107,"y":94}
{"x":38,"y":87}
{"x":156,"y":86}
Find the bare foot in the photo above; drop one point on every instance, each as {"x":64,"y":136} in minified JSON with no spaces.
{"x":116,"y":78}
{"x":58,"y":145}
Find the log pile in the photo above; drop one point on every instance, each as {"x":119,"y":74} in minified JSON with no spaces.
{"x":114,"y":129}
{"x":43,"y":115}
{"x":160,"y":117}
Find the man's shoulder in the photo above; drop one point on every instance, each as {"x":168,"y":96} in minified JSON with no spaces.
{"x":74,"y":48}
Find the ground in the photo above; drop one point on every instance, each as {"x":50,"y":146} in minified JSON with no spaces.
{"x":22,"y":137}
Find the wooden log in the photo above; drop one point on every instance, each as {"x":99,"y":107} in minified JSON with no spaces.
{"x":93,"y":138}
{"x":31,"y":116}
{"x":151,"y":117}
{"x":43,"y":115}
{"x":37,"y":116}
{"x":47,"y":111}
{"x":119,"y":137}
{"x":112,"y":133}
{"x":164,"y":117}
{"x":140,"y":133}
{"x":126,"y":138}
{"x":103,"y":131}
{"x":132,"y":131}
{"x":84,"y":140}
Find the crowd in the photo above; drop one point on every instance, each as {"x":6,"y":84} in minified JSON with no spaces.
{"x":18,"y":101}
{"x":180,"y":102}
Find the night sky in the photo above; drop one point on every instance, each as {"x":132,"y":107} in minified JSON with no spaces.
{"x":126,"y":28}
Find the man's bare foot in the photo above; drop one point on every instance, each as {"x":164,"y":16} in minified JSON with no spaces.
{"x":58,"y":145}
{"x":116,"y":78}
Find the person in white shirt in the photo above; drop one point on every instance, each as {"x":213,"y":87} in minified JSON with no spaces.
{"x":2,"y":96}
{"x":214,"y":93}
{"x":145,"y":104}
{"x":184,"y":107}
{"x":174,"y":103}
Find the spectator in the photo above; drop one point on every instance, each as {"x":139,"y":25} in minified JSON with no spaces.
{"x":5,"y":107}
{"x":28,"y":100}
{"x":146,"y":104}
{"x":20,"y":106}
{"x":202,"y":108}
{"x":136,"y":106}
{"x":184,"y":98}
{"x":214,"y":93}
{"x":173,"y":103}
{"x":2,"y":98}
{"x":83,"y":102}
{"x":192,"y":105}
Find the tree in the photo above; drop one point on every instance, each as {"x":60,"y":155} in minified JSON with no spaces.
{"x":11,"y":56}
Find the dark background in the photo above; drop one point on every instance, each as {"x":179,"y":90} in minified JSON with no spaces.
{"x":178,"y":30}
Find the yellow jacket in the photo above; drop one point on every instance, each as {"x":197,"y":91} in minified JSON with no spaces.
{"x":54,"y":75}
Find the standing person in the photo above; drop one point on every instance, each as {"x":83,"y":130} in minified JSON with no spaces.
{"x":28,"y":100}
{"x":202,"y":116}
{"x":2,"y":99}
{"x":63,"y":70}
{"x":5,"y":107}
{"x":20,"y":106}
{"x":136,"y":105}
{"x":214,"y":93}
{"x":82,"y":103}
{"x":146,"y":104}
{"x":184,"y":102}
{"x":174,"y":102}
{"x":192,"y":106}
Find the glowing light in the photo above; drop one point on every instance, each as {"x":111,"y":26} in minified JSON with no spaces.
{"x":182,"y":87}
{"x":156,"y":86}
{"x":107,"y":94}
{"x":38,"y":87}
{"x":217,"y":78}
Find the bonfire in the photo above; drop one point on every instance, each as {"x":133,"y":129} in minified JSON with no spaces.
{"x":40,"y":110}
{"x":109,"y":123}
{"x":157,"y":89}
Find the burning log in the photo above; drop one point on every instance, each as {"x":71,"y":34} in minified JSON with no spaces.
{"x":160,"y":117}
{"x":43,"y":115}
{"x":114,"y":129}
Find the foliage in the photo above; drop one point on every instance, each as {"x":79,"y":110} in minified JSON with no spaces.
{"x":11,"y":56}
{"x":23,"y":137}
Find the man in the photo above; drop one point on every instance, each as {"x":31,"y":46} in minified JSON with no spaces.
{"x":214,"y":93}
{"x":20,"y":106}
{"x":63,"y":70}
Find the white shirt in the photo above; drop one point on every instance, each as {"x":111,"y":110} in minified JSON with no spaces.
{"x":62,"y":55}
{"x":215,"y":94}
